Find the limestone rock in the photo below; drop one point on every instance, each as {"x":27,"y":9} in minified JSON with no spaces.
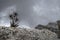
{"x":7,"y":33}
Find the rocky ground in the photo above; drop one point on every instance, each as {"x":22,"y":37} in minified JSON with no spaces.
{"x":8,"y":33}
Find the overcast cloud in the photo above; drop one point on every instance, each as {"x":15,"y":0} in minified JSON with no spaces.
{"x":31,"y":12}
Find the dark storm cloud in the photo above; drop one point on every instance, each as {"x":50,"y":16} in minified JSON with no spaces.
{"x":33,"y":12}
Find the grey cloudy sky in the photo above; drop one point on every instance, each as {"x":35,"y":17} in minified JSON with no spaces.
{"x":31,"y":12}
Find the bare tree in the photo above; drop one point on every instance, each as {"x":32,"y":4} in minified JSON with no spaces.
{"x":13,"y":19}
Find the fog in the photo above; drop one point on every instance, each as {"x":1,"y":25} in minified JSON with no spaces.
{"x":31,"y":12}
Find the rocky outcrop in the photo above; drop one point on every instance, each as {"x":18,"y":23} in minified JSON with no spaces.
{"x":50,"y":26}
{"x":7,"y":33}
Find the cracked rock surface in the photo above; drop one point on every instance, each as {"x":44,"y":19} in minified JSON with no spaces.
{"x":7,"y":33}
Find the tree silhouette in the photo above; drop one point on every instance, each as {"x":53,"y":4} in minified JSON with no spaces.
{"x":13,"y":19}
